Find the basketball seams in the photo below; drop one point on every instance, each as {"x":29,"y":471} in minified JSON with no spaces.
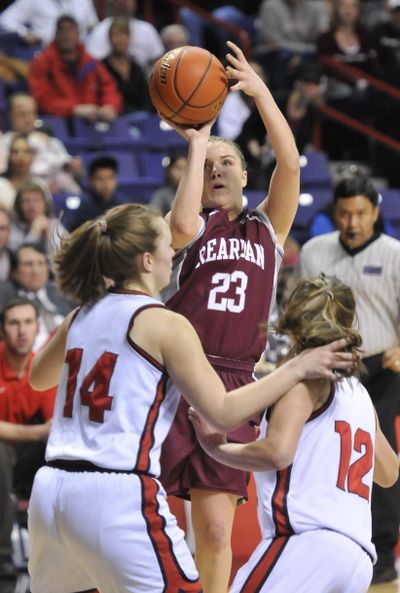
{"x":166,"y":93}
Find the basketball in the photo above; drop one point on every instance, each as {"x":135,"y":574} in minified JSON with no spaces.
{"x":188,"y":86}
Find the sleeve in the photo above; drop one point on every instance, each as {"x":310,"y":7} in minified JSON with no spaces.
{"x":97,"y":43}
{"x":16,"y":15}
{"x":91,"y":15}
{"x":109,"y":92}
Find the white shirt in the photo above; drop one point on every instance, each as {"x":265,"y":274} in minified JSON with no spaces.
{"x":232,"y":116}
{"x":40,"y":16}
{"x":145,"y":43}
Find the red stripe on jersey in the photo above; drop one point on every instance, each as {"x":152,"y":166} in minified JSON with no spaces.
{"x":175,"y":579}
{"x":263,"y":568}
{"x":279,"y":503}
{"x":147,"y":438}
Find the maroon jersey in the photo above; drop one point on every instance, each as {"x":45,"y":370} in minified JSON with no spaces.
{"x":224,"y":283}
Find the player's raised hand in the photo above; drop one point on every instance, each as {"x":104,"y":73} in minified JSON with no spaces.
{"x":326,"y":362}
{"x":239,"y":69}
{"x":187,"y":132}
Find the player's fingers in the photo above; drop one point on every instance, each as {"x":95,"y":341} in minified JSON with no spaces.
{"x":236,"y":49}
{"x":338,"y":344}
{"x":233,"y":60}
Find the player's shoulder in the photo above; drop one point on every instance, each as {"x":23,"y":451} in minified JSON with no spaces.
{"x":390,"y":243}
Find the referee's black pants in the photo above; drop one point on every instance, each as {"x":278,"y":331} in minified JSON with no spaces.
{"x":384,"y":388}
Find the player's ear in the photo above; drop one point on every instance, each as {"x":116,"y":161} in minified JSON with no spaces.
{"x":146,"y":262}
{"x":244,"y":178}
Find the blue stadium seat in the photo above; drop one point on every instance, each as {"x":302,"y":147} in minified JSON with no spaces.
{"x":390,"y":205}
{"x":151,"y":164}
{"x":57,"y":125}
{"x":314,"y":170}
{"x":139,"y":190}
{"x":156,"y":133}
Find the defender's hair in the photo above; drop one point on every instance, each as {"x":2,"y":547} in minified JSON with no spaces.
{"x":105,"y":248}
{"x":319,"y":311}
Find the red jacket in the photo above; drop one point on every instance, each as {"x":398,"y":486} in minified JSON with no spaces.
{"x":57,"y":89}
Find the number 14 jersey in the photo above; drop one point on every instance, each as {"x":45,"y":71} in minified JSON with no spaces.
{"x":224,"y":282}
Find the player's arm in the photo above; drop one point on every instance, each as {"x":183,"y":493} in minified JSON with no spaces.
{"x":386,"y":470}
{"x":171,"y":339}
{"x":274,"y":452}
{"x":48,"y":362}
{"x":185,"y":220}
{"x":280,"y":205}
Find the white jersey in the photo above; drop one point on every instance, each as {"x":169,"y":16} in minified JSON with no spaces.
{"x":115,"y":403}
{"x":329,"y":484}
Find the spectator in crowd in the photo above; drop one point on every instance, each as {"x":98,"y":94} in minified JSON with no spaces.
{"x":240,"y":13}
{"x":369,"y":262}
{"x":306,"y":94}
{"x":35,"y":22}
{"x":51,"y":160}
{"x":65,"y":80}
{"x":145,"y":44}
{"x":5,"y":252}
{"x":237,"y":109}
{"x":128,"y":75}
{"x":287,"y":32}
{"x":348,"y":42}
{"x":18,"y":170}
{"x":164,"y":195}
{"x":30,"y":277}
{"x":173,"y":36}
{"x":33,"y":221}
{"x":102,"y":191}
{"x":24,"y":417}
{"x":387,"y":39}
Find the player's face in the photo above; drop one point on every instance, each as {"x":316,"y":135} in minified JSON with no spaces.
{"x":20,"y":329}
{"x":162,"y":256}
{"x":224,"y":178}
{"x":355,"y":219}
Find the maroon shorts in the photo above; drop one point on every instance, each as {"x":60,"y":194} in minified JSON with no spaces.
{"x":184,"y":464}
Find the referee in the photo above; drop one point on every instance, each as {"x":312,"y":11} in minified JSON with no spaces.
{"x":369,"y":262}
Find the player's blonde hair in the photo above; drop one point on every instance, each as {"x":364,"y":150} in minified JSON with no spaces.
{"x":233,"y":145}
{"x":319,"y":311}
{"x":105,"y":248}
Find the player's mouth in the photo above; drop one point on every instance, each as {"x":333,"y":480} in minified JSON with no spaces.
{"x":217,"y":186}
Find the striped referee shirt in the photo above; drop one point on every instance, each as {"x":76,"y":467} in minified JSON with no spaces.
{"x":373,"y":273}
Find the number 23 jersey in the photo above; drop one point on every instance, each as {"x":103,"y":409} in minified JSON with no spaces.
{"x":224,"y":282}
{"x":329,"y":484}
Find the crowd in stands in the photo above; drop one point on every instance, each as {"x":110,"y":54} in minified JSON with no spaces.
{"x":63,"y":69}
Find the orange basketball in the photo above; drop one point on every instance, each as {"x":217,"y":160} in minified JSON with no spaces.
{"x":188,"y":85}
